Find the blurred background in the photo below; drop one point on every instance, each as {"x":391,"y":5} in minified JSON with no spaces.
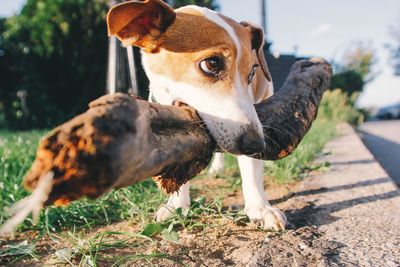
{"x":55,"y":56}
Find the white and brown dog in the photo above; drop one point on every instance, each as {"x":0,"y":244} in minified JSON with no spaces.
{"x":196,"y":56}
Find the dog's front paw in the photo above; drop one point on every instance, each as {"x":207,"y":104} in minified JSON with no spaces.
{"x":268,"y":217}
{"x":217,"y":165}
{"x":167,"y":211}
{"x":215,"y":171}
{"x":164,"y":213}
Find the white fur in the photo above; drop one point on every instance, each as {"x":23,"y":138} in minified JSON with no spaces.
{"x":246,"y":103}
{"x":251,"y":171}
{"x":270,"y":88}
{"x":257,"y":206}
{"x":250,"y":92}
{"x":217,"y":165}
{"x":180,"y":199}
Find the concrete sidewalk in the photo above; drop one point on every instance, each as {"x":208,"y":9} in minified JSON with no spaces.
{"x":348,"y":216}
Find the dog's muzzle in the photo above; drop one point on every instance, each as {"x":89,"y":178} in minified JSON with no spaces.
{"x":250,"y":143}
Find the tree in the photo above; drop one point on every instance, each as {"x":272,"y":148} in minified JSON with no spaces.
{"x":349,"y":81}
{"x":360,"y":57}
{"x":56,"y":51}
{"x":355,"y":69}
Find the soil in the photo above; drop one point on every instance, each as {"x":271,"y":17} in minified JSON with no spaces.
{"x":300,"y":245}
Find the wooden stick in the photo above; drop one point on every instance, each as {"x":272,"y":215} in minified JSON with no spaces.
{"x":120,"y":140}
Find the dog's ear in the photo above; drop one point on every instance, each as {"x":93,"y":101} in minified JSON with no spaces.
{"x":257,"y":43}
{"x":140,"y":23}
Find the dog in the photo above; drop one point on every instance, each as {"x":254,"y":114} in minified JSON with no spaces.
{"x":196,"y":56}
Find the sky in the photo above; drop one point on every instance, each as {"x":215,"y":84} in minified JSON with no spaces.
{"x":319,"y":28}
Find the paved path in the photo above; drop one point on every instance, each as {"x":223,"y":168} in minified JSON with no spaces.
{"x":383,"y":139}
{"x":348,"y":216}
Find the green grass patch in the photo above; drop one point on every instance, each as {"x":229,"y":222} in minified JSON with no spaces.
{"x":17,"y":152}
{"x":298,"y":164}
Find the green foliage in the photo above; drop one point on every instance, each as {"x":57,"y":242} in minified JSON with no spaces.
{"x":355,"y":69}
{"x":18,"y":251}
{"x":17,"y":151}
{"x":349,"y":81}
{"x":299,"y":163}
{"x":212,"y":4}
{"x":360,"y":57}
{"x":56,"y":51}
{"x":337,"y":106}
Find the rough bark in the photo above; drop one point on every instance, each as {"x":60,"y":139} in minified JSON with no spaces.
{"x":288,"y":115}
{"x":120,"y":140}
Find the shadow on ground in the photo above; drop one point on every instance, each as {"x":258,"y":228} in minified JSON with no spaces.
{"x":386,"y":152}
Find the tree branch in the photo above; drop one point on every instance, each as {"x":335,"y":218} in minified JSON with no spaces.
{"x":120,"y":140}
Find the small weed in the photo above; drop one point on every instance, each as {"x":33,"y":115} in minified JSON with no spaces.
{"x":17,"y":251}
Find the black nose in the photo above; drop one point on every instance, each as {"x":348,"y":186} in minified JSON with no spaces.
{"x":251,"y":143}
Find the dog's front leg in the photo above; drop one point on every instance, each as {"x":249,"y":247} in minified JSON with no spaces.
{"x":217,"y":165}
{"x":257,"y":206}
{"x":180,"y":199}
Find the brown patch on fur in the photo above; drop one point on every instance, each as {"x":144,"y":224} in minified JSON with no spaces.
{"x":192,"y":33}
{"x":168,"y":185}
{"x":140,"y":23}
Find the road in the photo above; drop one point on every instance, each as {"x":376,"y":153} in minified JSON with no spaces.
{"x":383,"y":139}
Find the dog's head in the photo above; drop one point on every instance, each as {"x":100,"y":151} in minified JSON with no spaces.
{"x":208,"y":61}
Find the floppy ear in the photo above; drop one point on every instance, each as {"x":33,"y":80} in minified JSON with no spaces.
{"x":140,"y":23}
{"x":257,"y":43}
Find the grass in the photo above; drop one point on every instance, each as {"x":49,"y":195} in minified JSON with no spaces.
{"x":299,"y":162}
{"x":17,"y":151}
{"x":136,"y":204}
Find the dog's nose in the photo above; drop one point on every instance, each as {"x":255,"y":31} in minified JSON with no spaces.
{"x":251,"y":143}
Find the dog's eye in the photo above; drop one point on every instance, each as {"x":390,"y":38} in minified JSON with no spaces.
{"x":252,"y":73}
{"x":212,"y":66}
